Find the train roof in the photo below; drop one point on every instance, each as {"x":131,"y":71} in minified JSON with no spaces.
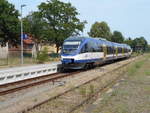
{"x":76,"y":38}
{"x":101,"y":40}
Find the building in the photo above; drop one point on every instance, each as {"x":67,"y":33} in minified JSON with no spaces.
{"x":27,"y":45}
{"x":28,"y":48}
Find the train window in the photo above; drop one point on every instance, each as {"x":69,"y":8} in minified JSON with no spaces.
{"x":92,"y":46}
{"x":126,"y":50}
{"x":107,"y":50}
{"x":110,"y":50}
{"x":100,"y":48}
{"x":119,"y":50}
{"x":70,"y":47}
{"x":84,"y":49}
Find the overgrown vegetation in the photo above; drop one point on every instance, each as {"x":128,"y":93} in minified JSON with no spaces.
{"x":135,"y":66}
{"x":131,"y":95}
{"x":83,"y":91}
{"x":91,"y":88}
{"x":42,"y":56}
{"x":147,"y":72}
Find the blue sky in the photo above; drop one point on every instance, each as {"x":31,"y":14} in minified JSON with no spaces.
{"x":131,"y":17}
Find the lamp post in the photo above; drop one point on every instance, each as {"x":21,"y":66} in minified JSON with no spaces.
{"x":23,"y":5}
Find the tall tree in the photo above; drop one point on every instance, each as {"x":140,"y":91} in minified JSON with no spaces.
{"x":129,"y":41}
{"x":9,"y":23}
{"x":61,"y":19}
{"x":35,"y":26}
{"x":117,"y":37}
{"x":100,"y":29}
{"x":139,"y":44}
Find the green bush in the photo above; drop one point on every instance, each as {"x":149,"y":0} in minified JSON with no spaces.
{"x":54,"y":55}
{"x":42,"y":56}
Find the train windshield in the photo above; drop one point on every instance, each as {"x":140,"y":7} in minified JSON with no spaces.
{"x":70,"y":47}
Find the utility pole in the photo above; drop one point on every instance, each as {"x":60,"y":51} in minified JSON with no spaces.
{"x":23,"y":5}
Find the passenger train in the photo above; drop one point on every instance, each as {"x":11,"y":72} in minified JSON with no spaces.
{"x":85,"y":52}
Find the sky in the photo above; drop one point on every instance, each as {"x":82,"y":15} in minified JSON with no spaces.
{"x":131,"y":17}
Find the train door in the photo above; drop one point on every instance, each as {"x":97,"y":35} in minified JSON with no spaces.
{"x":113,"y":51}
{"x":116,"y":51}
{"x":123,"y":52}
{"x":105,"y":51}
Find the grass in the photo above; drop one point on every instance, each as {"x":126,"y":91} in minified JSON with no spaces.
{"x":16,"y":61}
{"x":147,"y":72}
{"x":91,"y":88}
{"x":135,"y":66}
{"x":3,"y":62}
{"x":128,"y":97}
{"x":132,"y":95}
{"x":83,"y":91}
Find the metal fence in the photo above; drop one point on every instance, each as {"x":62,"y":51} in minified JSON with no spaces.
{"x":13,"y":58}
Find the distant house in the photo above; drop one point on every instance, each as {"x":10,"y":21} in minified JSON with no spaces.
{"x":28,"y":44}
{"x":4,"y":52}
{"x":28,"y":47}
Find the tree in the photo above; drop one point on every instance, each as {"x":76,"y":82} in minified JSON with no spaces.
{"x":129,"y":41}
{"x":139,"y":44}
{"x":9,"y":23}
{"x":61,"y":20}
{"x":100,"y":29}
{"x":117,"y":37}
{"x":35,"y":26}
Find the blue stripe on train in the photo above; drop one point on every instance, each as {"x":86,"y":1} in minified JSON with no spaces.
{"x":66,"y":61}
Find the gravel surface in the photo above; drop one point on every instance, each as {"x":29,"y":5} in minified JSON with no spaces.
{"x":131,"y":94}
{"x":27,"y":98}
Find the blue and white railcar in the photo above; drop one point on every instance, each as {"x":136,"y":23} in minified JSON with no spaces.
{"x":79,"y":52}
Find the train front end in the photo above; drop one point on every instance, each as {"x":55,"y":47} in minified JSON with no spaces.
{"x":70,"y":53}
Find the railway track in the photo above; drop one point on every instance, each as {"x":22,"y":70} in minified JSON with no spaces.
{"x":100,"y":90}
{"x":18,"y":86}
{"x":24,"y":84}
{"x":28,"y":83}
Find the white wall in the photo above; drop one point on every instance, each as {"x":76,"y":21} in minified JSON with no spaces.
{"x":4,"y":52}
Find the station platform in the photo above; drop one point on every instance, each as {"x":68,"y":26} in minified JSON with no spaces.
{"x":13,"y":74}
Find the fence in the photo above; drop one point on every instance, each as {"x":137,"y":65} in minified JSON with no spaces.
{"x":13,"y":58}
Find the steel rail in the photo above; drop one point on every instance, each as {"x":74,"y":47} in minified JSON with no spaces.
{"x":103,"y":88}
{"x":51,"y":79}
{"x":26,"y":80}
{"x":91,"y":96}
